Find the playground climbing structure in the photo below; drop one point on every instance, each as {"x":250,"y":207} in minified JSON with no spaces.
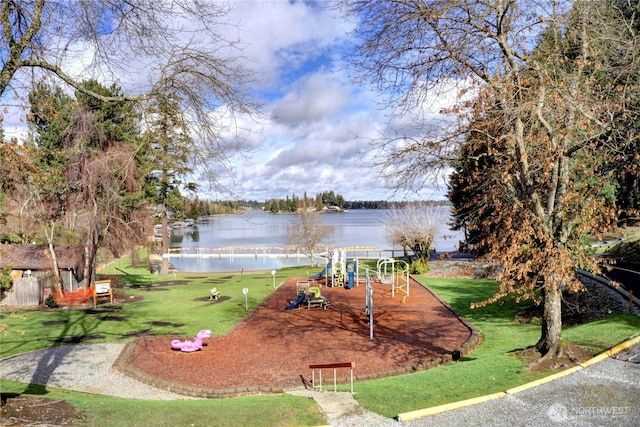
{"x":335,"y":269}
{"x":394,"y":272}
{"x":309,"y":296}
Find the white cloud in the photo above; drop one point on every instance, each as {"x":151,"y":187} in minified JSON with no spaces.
{"x":317,"y":127}
{"x":314,"y":97}
{"x":280,"y":36}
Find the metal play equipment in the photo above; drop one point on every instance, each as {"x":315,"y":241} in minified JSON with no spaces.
{"x":369,"y":303}
{"x":401,"y":283}
{"x":385,"y":270}
{"x":394,"y":272}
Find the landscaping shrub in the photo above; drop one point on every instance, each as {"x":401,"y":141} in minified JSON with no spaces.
{"x":50,"y":301}
{"x":419,"y":266}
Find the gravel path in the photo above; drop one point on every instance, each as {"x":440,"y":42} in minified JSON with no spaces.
{"x":86,"y":368}
{"x":603,"y":394}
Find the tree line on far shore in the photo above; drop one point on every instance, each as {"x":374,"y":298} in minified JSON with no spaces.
{"x":328,"y":199}
{"x":186,"y":207}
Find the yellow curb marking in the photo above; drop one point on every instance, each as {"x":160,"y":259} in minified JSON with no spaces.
{"x":407,"y":416}
{"x":624,"y":345}
{"x":543,"y":380}
{"x":613,"y":350}
{"x":596,"y":359}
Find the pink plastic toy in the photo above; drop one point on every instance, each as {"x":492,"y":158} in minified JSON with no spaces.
{"x":191,"y":346}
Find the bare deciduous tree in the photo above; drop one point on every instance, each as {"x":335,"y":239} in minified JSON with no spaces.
{"x":413,"y":227}
{"x":309,"y":233}
{"x":185,"y":50}
{"x":535,"y":70}
{"x":182,"y":49}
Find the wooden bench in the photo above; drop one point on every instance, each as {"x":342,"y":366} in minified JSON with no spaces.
{"x":333,"y":366}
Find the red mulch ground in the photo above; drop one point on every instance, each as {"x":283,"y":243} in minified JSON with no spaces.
{"x":274,"y":347}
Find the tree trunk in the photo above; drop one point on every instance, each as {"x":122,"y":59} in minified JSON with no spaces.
{"x":550,"y":343}
{"x":421,"y":251}
{"x":406,"y":252}
{"x":90,"y":252}
{"x":164,"y":267}
{"x":54,"y":258}
{"x":135,"y":259}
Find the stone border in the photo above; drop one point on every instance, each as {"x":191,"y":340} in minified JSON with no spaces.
{"x":121,"y":364}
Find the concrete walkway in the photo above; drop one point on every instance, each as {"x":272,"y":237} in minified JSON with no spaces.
{"x":333,"y":404}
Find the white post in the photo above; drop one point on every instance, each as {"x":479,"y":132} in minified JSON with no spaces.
{"x":352,"y":379}
{"x":245,"y":291}
{"x":273,"y":274}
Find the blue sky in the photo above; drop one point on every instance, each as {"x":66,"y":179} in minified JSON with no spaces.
{"x":319,"y":127}
{"x":316,"y":126}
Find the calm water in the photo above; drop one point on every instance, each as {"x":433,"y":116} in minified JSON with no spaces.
{"x":238,"y":233}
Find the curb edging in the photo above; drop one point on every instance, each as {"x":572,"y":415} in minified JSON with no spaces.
{"x":412,"y":415}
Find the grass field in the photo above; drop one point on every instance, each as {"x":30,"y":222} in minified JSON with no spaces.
{"x":171,"y":306}
{"x":276,"y":410}
{"x":181,"y":308}
{"x":490,"y":368}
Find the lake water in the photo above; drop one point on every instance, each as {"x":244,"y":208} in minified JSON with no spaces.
{"x":240,"y":242}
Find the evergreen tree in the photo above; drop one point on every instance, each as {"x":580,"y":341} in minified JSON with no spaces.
{"x":87,"y":150}
{"x":167,"y":143}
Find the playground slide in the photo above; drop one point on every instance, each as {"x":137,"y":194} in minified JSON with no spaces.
{"x":322,"y":273}
{"x":295,"y":304}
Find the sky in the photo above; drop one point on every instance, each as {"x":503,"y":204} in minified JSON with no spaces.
{"x":316,"y":126}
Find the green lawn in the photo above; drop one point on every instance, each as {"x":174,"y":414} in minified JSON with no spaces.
{"x":492,"y":367}
{"x":171,"y":306}
{"x":274,"y":410}
{"x":182,"y":308}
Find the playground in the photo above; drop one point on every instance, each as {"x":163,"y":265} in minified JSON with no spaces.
{"x":274,"y":347}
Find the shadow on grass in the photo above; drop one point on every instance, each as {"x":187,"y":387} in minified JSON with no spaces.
{"x":212,"y":301}
{"x":78,"y":339}
{"x":126,"y":280}
{"x":30,"y":389}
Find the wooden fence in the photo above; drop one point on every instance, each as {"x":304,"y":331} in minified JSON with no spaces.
{"x":26,"y":291}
